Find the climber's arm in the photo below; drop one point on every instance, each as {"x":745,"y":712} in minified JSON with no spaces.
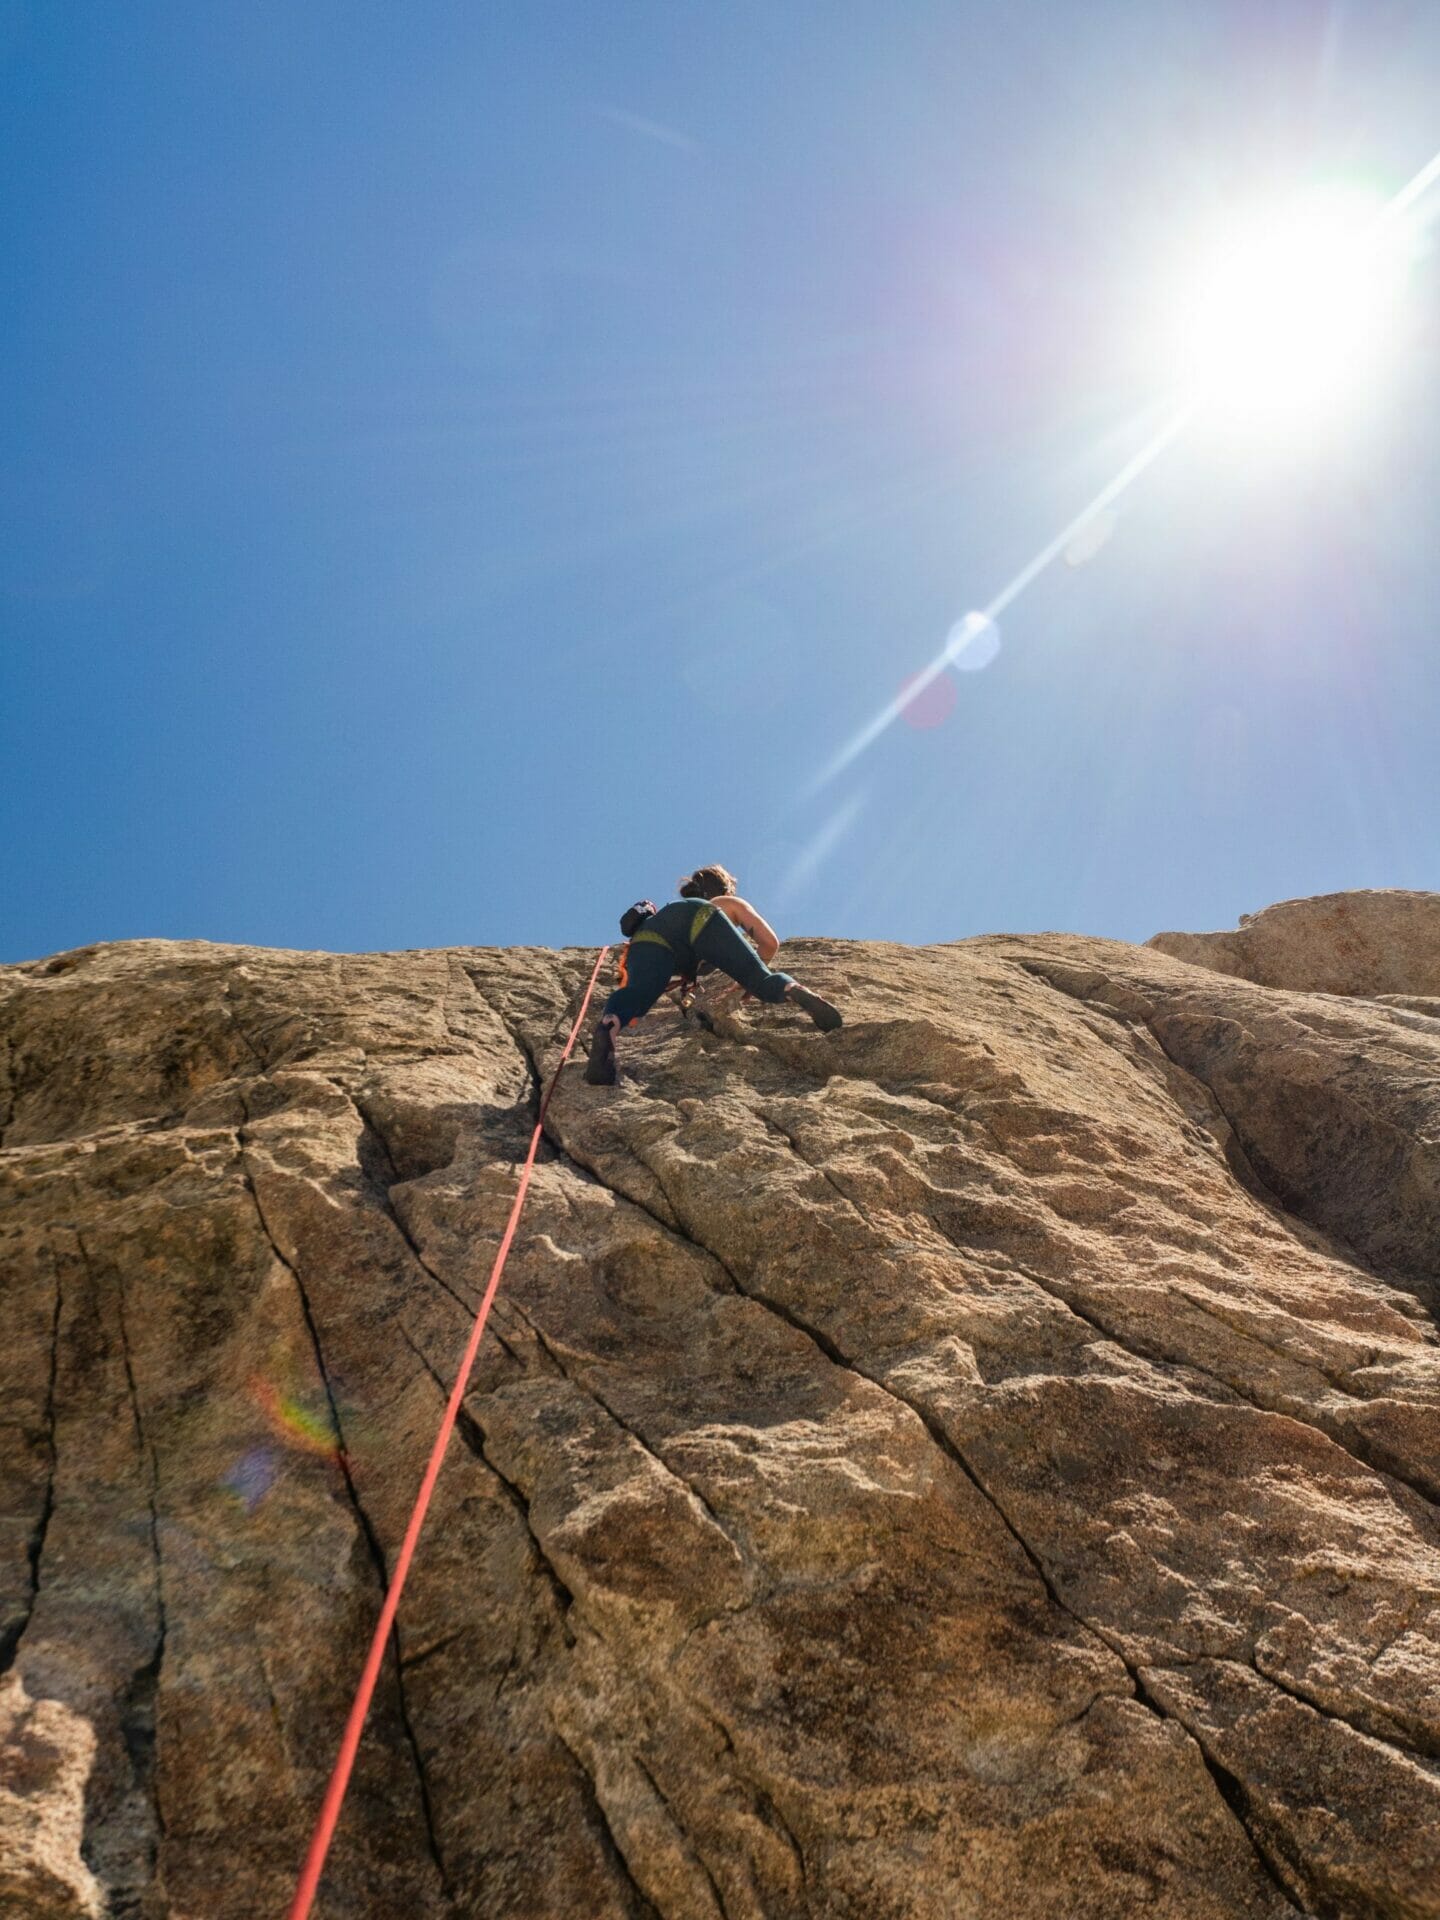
{"x":767,"y":941}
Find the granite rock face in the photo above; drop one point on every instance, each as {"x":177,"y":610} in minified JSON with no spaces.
{"x":1381,"y":944}
{"x":981,"y":1462}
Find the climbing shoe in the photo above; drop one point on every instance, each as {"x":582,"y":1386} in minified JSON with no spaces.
{"x":826,"y":1017}
{"x":600,"y":1068}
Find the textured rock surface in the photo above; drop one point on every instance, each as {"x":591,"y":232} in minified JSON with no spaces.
{"x":981,"y":1462}
{"x":1377,"y":944}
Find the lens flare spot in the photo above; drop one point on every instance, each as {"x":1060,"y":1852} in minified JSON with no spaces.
{"x":973,"y":643}
{"x":291,"y":1421}
{"x":252,"y":1477}
{"x":1091,"y":539}
{"x":926,"y":699}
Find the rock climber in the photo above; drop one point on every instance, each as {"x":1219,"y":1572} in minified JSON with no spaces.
{"x":714,"y":883}
{"x":718,"y":885}
{"x":697,"y":930}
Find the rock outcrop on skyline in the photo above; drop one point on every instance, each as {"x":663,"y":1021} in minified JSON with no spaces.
{"x":985,"y":1461}
{"x":1383,"y":944}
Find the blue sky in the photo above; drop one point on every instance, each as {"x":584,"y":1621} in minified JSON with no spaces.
{"x":462,"y":465}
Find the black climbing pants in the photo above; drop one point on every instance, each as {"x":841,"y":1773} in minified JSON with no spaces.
{"x":676,"y":940}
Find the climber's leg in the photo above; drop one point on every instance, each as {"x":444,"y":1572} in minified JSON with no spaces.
{"x":600,"y":1068}
{"x":720,"y":941}
{"x":825,"y":1016}
{"x":647,"y":974}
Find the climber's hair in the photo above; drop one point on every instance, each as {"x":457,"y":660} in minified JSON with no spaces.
{"x":707,"y":883}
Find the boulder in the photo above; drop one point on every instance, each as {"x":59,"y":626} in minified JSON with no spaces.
{"x":1373,"y":945}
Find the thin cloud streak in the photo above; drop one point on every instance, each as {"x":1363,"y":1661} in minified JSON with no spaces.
{"x":649,"y":129}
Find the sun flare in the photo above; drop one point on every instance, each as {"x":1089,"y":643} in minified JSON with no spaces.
{"x":1295,"y":311}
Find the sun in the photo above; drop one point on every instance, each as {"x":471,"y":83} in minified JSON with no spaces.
{"x":1294,"y":312}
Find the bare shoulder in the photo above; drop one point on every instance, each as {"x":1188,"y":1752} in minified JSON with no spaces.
{"x":740,"y":910}
{"x":753,"y":923}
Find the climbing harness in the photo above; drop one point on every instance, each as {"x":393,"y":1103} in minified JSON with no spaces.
{"x":350,"y":1740}
{"x":701,"y":915}
{"x":649,"y":936}
{"x":684,"y":993}
{"x":683,"y":989}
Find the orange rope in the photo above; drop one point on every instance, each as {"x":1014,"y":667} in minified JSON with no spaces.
{"x":350,"y":1740}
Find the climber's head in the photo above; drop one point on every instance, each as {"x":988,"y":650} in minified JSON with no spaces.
{"x":707,"y":883}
